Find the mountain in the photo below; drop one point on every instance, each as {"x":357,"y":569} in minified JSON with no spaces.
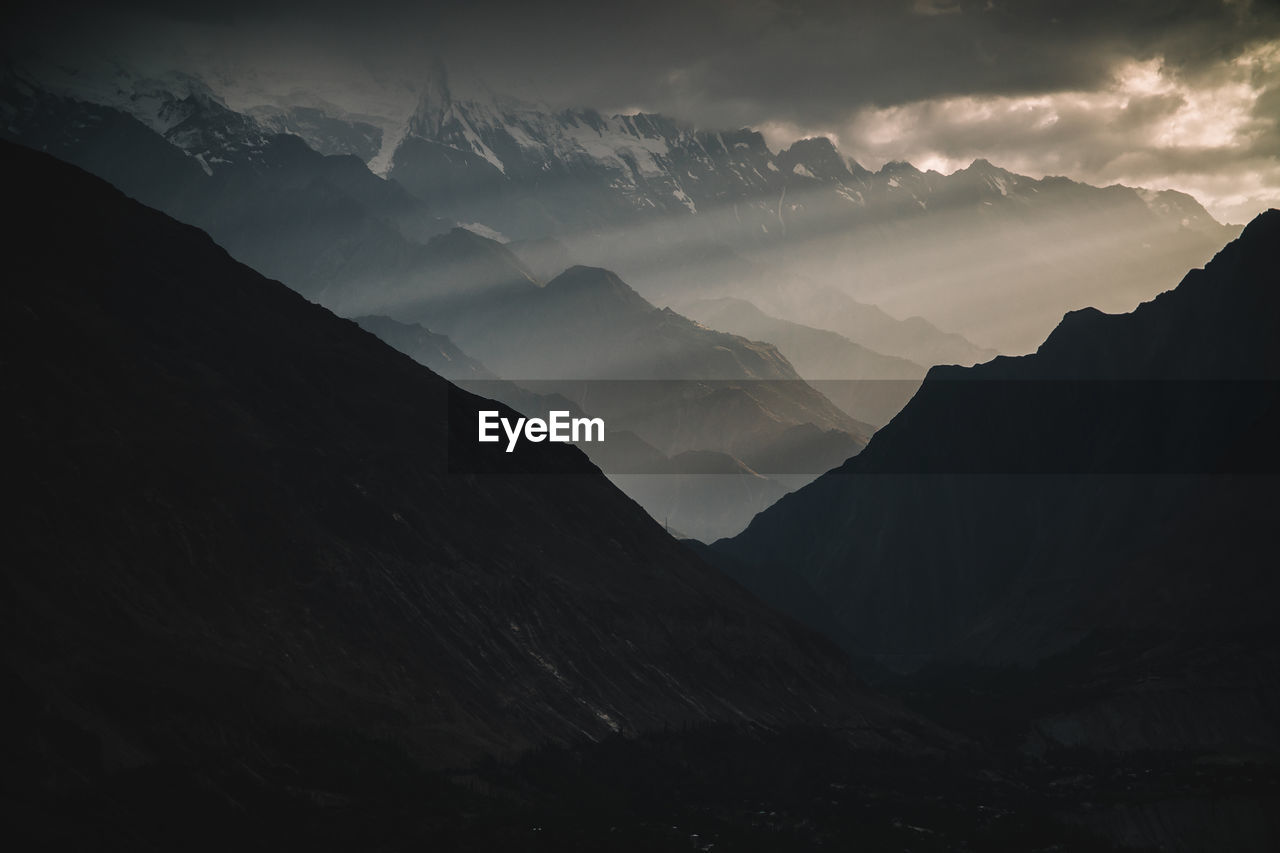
{"x":243,"y":575}
{"x":1099,"y":509}
{"x":705,"y":494}
{"x":342,"y":236}
{"x":687,"y":272}
{"x":664,"y":386}
{"x":322,"y":132}
{"x":587,"y":323}
{"x":546,"y":256}
{"x":993,"y":255}
{"x":447,"y":277}
{"x":913,"y":338}
{"x":680,"y":386}
{"x":531,"y":172}
{"x":999,"y":257}
{"x":867,"y":385}
{"x":427,"y":348}
{"x":324,"y":225}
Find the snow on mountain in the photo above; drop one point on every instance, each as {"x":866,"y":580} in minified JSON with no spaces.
{"x":329,"y":131}
{"x":501,"y":127}
{"x":626,"y":190}
{"x":577,"y":167}
{"x":152,"y":97}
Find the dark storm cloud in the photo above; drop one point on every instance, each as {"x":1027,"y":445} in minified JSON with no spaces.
{"x":807,"y":61}
{"x":1045,"y":86}
{"x":747,"y":61}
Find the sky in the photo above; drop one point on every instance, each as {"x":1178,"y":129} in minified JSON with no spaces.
{"x":1181,"y":94}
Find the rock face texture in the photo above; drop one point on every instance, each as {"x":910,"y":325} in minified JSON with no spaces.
{"x":239,"y":547}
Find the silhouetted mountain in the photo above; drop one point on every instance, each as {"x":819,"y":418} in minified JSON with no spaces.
{"x":427,"y":348}
{"x":589,"y":324}
{"x":690,"y":418}
{"x":336,"y":233}
{"x":690,"y":272}
{"x":1107,"y":499}
{"x":677,"y":384}
{"x":913,"y":338}
{"x":703,"y":494}
{"x":326,"y":226}
{"x":869,"y":386}
{"x":804,"y":449}
{"x":241,"y":570}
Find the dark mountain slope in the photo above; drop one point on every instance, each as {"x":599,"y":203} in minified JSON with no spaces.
{"x":239,"y":550}
{"x":426,"y":347}
{"x":1114,"y":486}
{"x":722,"y":395}
{"x":326,"y":226}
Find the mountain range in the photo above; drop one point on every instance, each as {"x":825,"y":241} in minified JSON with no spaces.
{"x":242,"y":571}
{"x":1097,"y":509}
{"x":863,"y":382}
{"x":703,"y":429}
{"x":995,"y":256}
{"x":265,"y":590}
{"x":363,"y":246}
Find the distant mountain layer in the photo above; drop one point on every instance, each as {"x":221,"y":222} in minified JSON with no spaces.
{"x":866,"y":384}
{"x":360,"y":245}
{"x":588,"y":336}
{"x":991,"y":255}
{"x":240,"y":561}
{"x":427,"y":348}
{"x":326,"y":226}
{"x":996,"y":256}
{"x":730,"y":447}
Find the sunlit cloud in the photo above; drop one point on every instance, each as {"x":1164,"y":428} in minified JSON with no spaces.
{"x":1185,"y":97}
{"x":1213,"y":134}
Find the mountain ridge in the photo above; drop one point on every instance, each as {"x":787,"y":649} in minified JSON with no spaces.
{"x":239,"y":511}
{"x":1091,"y":449}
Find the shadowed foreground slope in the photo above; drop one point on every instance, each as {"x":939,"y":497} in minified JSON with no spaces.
{"x":237,"y":549}
{"x":1104,"y":508}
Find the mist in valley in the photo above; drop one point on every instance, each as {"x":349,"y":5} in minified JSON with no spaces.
{"x":933,"y":351}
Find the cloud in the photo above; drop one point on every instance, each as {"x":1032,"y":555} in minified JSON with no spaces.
{"x":1214,"y":133}
{"x":1097,"y":89}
